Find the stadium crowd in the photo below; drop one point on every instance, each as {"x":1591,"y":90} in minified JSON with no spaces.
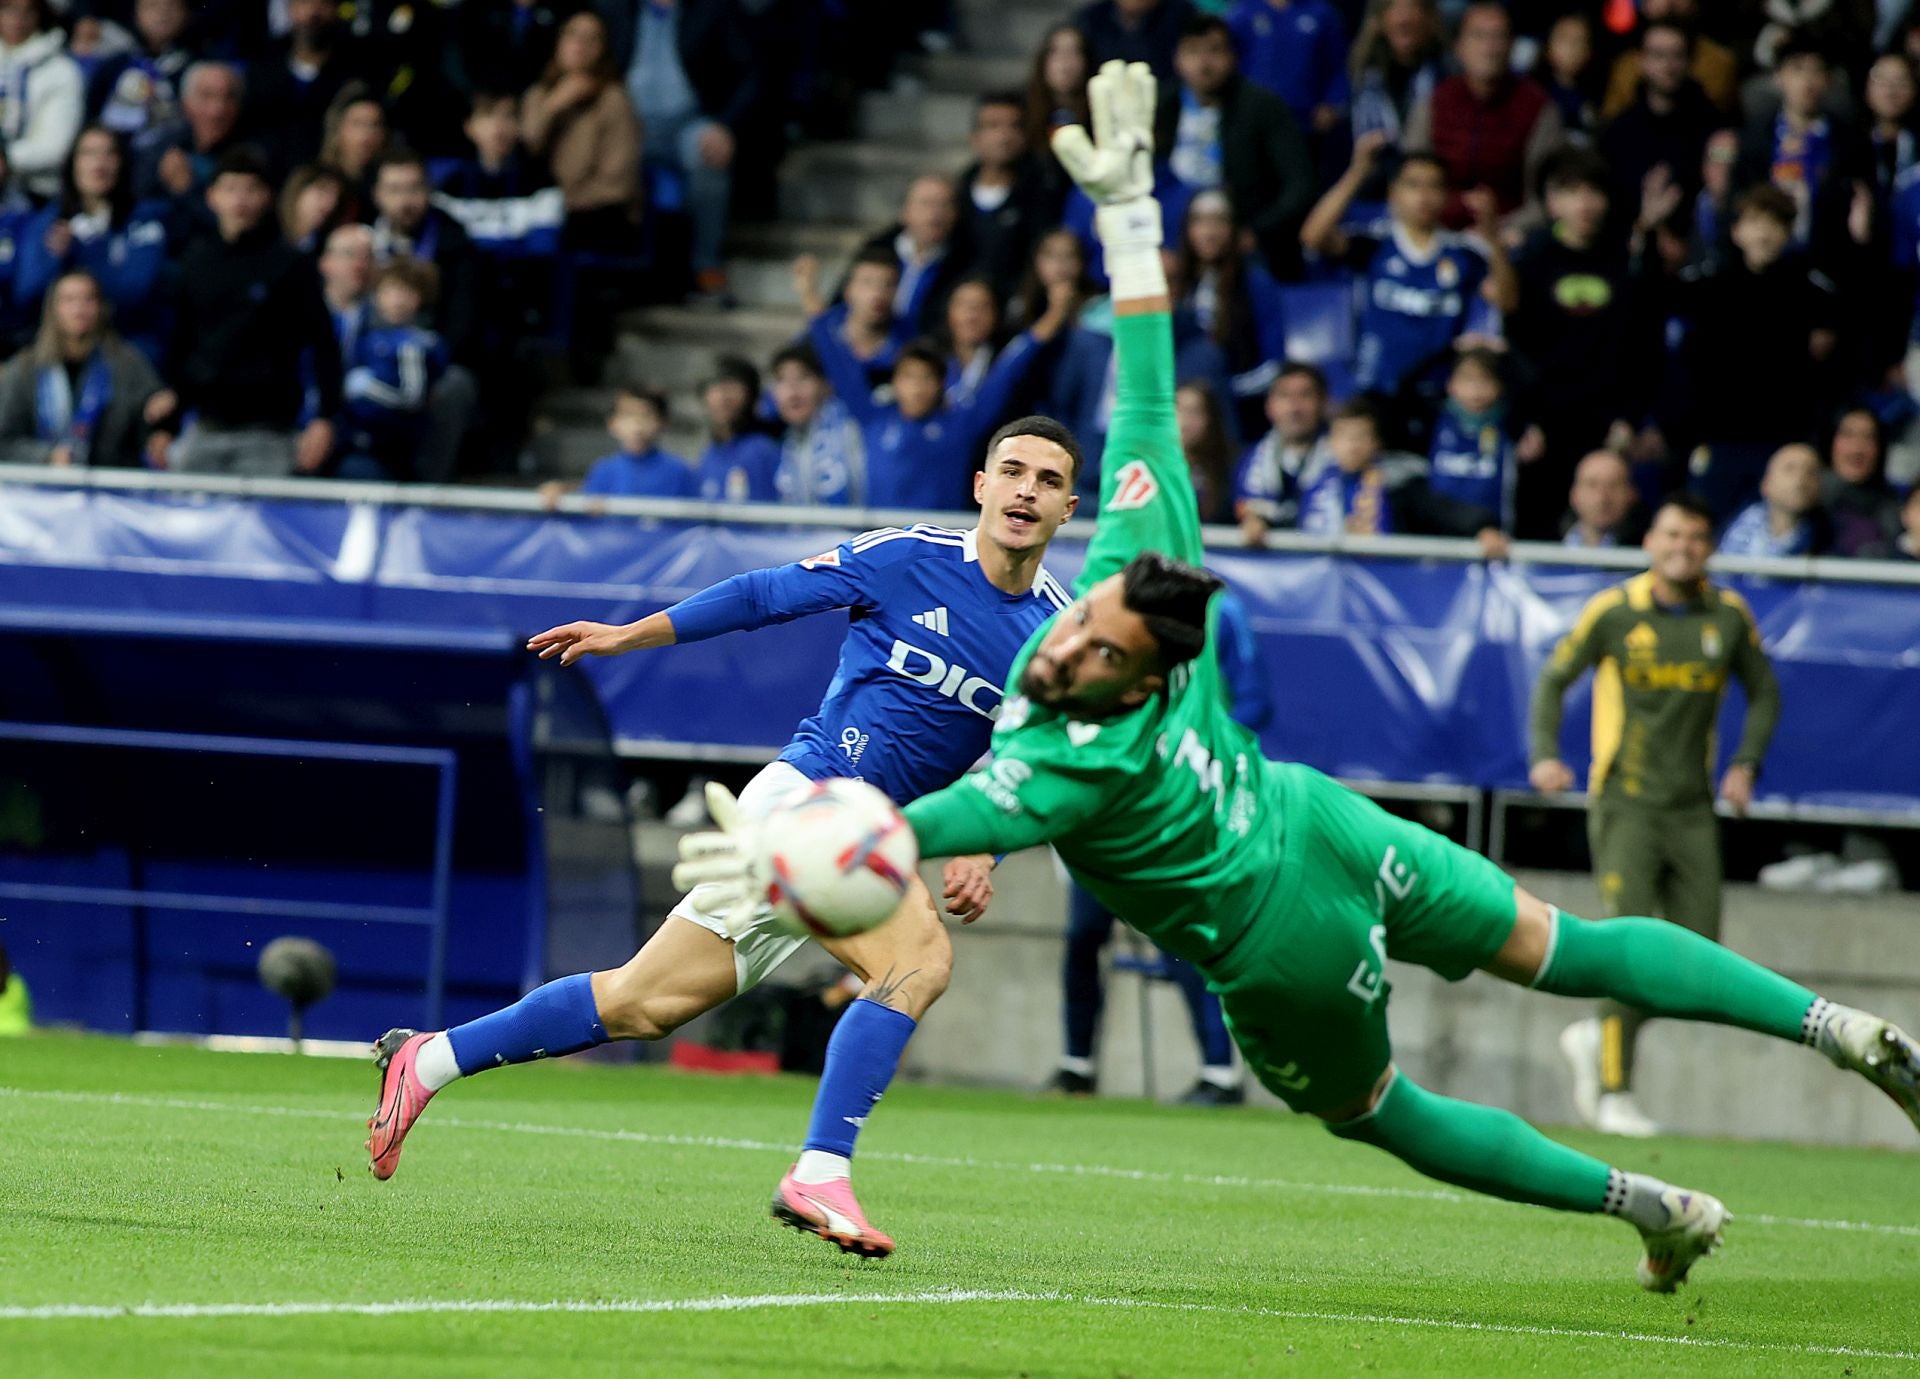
{"x":1452,"y":268}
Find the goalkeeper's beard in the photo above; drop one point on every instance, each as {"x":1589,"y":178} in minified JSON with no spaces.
{"x":1051,"y":694}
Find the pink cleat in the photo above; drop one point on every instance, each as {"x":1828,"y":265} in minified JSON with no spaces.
{"x":829,"y":1211}
{"x":402,"y":1098}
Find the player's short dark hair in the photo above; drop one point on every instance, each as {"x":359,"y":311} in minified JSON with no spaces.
{"x":1047,"y":429}
{"x":1690,"y":503}
{"x":647,"y":397}
{"x":1571,"y":168}
{"x":418,"y":274}
{"x":245,"y":160}
{"x":876,"y":256}
{"x":1797,"y":44}
{"x":1171,"y":598}
{"x":398,"y":157}
{"x":1295,"y":368}
{"x":1769,"y":201}
{"x":1206,"y":26}
{"x":731,"y":368}
{"x":802,"y":354}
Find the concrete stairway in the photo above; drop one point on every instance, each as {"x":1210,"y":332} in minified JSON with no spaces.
{"x":832,"y":195}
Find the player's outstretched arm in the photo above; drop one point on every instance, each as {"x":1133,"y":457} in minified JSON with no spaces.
{"x":1146,"y":496}
{"x":840,"y":578}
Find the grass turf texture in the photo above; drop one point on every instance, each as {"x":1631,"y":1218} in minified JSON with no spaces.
{"x":576,"y":1183}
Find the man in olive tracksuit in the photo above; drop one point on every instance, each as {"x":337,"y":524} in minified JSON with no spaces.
{"x":1662,"y":646}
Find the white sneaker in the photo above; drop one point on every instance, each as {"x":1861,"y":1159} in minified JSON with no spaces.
{"x":1618,"y":1114}
{"x":1798,"y":873}
{"x":1880,"y":1051}
{"x":1580,"y":1046}
{"x":1872,"y":876}
{"x":691,"y":811}
{"x":1692,"y":1230}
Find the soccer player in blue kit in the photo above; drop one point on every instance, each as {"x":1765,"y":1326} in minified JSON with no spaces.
{"x":937,"y":616}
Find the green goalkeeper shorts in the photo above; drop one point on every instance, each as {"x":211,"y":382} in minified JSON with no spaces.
{"x":1304,"y":993}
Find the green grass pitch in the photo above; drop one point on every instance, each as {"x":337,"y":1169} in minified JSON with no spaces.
{"x":175,"y":1212}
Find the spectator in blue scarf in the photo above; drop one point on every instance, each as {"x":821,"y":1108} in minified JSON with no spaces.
{"x":81,"y":396}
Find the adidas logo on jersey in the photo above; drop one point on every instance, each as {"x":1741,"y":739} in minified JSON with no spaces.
{"x":934,"y":621}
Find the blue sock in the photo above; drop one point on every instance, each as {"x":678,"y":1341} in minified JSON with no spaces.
{"x":865,"y":1049}
{"x":557,"y":1018}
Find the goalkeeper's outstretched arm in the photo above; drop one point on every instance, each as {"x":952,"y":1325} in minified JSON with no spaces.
{"x":1146,"y":494}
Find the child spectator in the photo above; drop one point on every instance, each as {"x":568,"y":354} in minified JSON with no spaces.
{"x":739,"y":464}
{"x":1814,"y":159}
{"x":1296,"y":49}
{"x":1289,"y":459}
{"x":1861,"y":505}
{"x":1371,"y":491}
{"x":312,"y":205}
{"x":578,"y":119}
{"x":1420,"y":280}
{"x":42,"y":95}
{"x":1489,"y":129}
{"x":920,"y":448}
{"x":1570,"y":76}
{"x":95,"y":225}
{"x":394,"y":364}
{"x":1757,"y":330}
{"x":136,"y":90}
{"x":1472,"y":460}
{"x":501,"y":197}
{"x":80,"y":397}
{"x":823,"y":458}
{"x":1229,"y":299}
{"x":863,"y":320}
{"x":1574,"y":336}
{"x":1203,"y":440}
{"x":248,"y":309}
{"x":1602,"y":504}
{"x":1786,"y":519}
{"x":1056,"y":94}
{"x":639,"y":468}
{"x":1006,"y":198}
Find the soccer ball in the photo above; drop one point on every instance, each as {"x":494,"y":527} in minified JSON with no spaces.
{"x":836,"y":859}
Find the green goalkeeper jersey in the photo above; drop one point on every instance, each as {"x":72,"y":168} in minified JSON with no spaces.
{"x":1168,"y":814}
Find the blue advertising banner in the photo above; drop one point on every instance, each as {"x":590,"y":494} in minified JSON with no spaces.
{"x":1411,"y":670}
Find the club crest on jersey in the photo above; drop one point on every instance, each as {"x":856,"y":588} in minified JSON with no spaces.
{"x":827,"y":560}
{"x":1134,"y":487}
{"x":1710,"y":642}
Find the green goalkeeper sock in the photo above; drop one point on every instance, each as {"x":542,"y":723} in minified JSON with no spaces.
{"x":1480,"y":1147}
{"x":1666,"y":970}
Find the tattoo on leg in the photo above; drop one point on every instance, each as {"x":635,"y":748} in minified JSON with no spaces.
{"x":883,"y":991}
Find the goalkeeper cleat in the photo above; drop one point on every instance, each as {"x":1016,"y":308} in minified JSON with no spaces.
{"x":1880,"y":1051}
{"x":402,"y":1098}
{"x":1694,"y":1223}
{"x":829,"y":1211}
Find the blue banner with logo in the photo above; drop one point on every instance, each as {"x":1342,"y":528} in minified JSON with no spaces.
{"x":1389,"y":669}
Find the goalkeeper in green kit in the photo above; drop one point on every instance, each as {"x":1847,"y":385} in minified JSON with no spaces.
{"x":1286,"y":889}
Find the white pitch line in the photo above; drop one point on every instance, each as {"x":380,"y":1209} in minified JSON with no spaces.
{"x":938,"y":1297}
{"x":1102,"y":1171}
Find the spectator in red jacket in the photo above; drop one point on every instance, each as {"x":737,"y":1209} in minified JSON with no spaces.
{"x":1488,"y":127}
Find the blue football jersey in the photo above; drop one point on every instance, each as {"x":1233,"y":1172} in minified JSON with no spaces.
{"x":1415,"y":304}
{"x":924,"y":666}
{"x":1471,"y":461}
